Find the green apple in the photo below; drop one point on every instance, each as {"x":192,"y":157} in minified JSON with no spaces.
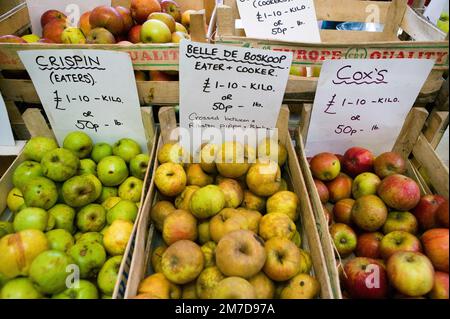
{"x":111,"y":202}
{"x":14,"y":200}
{"x":87,"y":166}
{"x":79,"y":143}
{"x":73,"y":35}
{"x":365,"y":184}
{"x":60,"y":164}
{"x":107,"y":277}
{"x":91,"y":218}
{"x":64,"y":217}
{"x":107,"y":192}
{"x":82,"y":289}
{"x":138,"y":165}
{"x":40,"y":192}
{"x":91,"y":237}
{"x":79,"y":191}
{"x":31,"y":218}
{"x":26,"y":171}
{"x":126,"y":148}
{"x":6,"y":228}
{"x":20,"y":288}
{"x":155,"y":31}
{"x":97,"y":183}
{"x":106,"y":297}
{"x":38,"y":146}
{"x":49,"y":271}
{"x":100,"y":151}
{"x":89,"y":256}
{"x":131,"y":189}
{"x":112,"y":171}
{"x":60,"y":239}
{"x":124,"y":210}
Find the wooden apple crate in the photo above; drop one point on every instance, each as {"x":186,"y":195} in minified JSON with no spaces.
{"x":411,"y":143}
{"x":147,"y":238}
{"x":38,"y":126}
{"x":145,"y":57}
{"x":424,"y":41}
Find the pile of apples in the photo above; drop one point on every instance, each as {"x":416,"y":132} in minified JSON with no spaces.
{"x":73,"y":213}
{"x":146,"y":21}
{"x":400,"y":239}
{"x":228,"y":227}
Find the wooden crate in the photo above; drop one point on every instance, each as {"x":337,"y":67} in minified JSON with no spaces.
{"x":410,"y":142}
{"x":38,"y":126}
{"x":426,"y":41}
{"x":146,"y":234}
{"x":145,"y":57}
{"x":8,"y":5}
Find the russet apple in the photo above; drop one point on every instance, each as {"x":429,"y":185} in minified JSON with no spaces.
{"x":325,"y":166}
{"x":240,"y":253}
{"x":209,"y":252}
{"x":172,"y":8}
{"x":157,"y":257}
{"x":322,"y":190}
{"x":273,"y":150}
{"x":204,"y":235}
{"x":183,"y":200}
{"x":344,"y":238}
{"x":155,"y":31}
{"x":264,"y":287}
{"x":365,"y":184}
{"x":126,"y":18}
{"x":369,"y":213}
{"x":389,"y":163}
{"x":366,"y":279}
{"x":189,"y":291}
{"x":54,"y":30}
{"x":172,"y":152}
{"x":158,"y":285}
{"x":196,"y":176}
{"x":369,"y":245}
{"x":283,"y":259}
{"x":231,"y":160}
{"x":108,"y":18}
{"x":207,"y":282}
{"x":253,"y":202}
{"x":227,"y":221}
{"x":426,"y":209}
{"x":358,"y":160}
{"x":159,"y":212}
{"x":276,"y":225}
{"x":442,"y":214}
{"x":399,"y":192}
{"x":182,"y":262}
{"x":342,"y":211}
{"x":399,"y":241}
{"x":234,"y":195}
{"x":440,"y":287}
{"x":401,"y":221}
{"x":264,"y":178}
{"x":208,"y":152}
{"x":60,"y":164}
{"x":234,"y":288}
{"x":285,"y":202}
{"x":302,"y":286}
{"x":435,"y":243}
{"x":51,"y":15}
{"x":253,"y":218}
{"x":170,"y":179}
{"x":141,"y":9}
{"x":340,"y":187}
{"x":207,"y":201}
{"x":411,"y":273}
{"x":179,"y":225}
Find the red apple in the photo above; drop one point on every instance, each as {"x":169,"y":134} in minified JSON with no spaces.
{"x":369,"y":245}
{"x":340,"y":187}
{"x":411,"y":273}
{"x":172,"y":8}
{"x":141,"y":9}
{"x":108,"y":18}
{"x":53,"y":30}
{"x":344,"y":238}
{"x":51,"y":15}
{"x":328,"y":215}
{"x":322,"y":189}
{"x":11,"y":39}
{"x":440,"y":287}
{"x":358,"y":160}
{"x":134,"y":35}
{"x":366,"y":279}
{"x":126,"y":17}
{"x":389,"y":163}
{"x":426,"y":210}
{"x":342,"y":211}
{"x":84,"y":23}
{"x":325,"y":166}
{"x":399,"y":192}
{"x":399,"y":241}
{"x":442,"y":214}
{"x":435,"y":243}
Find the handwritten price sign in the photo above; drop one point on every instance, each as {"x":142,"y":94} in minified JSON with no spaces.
{"x":287,"y":20}
{"x":87,"y":90}
{"x":363,"y":103}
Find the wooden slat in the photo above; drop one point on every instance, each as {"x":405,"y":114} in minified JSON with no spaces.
{"x":36,"y":123}
{"x":442,"y":99}
{"x":419,"y":28}
{"x":394,"y":17}
{"x":436,"y":126}
{"x":6,"y":181}
{"x":436,"y":170}
{"x":346,"y":37}
{"x":198,"y":27}
{"x":209,"y":6}
{"x":225,"y":21}
{"x":305,"y":118}
{"x":338,"y":10}
{"x":168,"y":123}
{"x":15,"y":21}
{"x":410,"y":131}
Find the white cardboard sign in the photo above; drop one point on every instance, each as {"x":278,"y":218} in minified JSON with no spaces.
{"x":87,"y":90}
{"x":229,"y":87}
{"x":363,"y":103}
{"x":286,"y":20}
{"x":72,"y":8}
{"x":6,"y":135}
{"x":434,"y":9}
{"x":442,"y":149}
